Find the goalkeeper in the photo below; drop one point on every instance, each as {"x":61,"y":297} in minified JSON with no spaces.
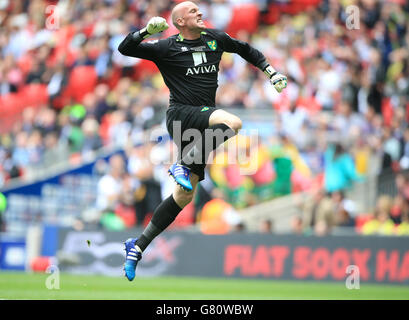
{"x":189,"y":63}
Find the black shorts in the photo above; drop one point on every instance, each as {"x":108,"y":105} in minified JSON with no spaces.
{"x":181,"y":117}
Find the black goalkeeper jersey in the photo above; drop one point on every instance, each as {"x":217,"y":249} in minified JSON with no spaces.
{"x":190,"y":67}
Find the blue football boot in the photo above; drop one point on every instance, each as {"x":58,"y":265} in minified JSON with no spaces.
{"x":133,"y":255}
{"x":181,"y":174}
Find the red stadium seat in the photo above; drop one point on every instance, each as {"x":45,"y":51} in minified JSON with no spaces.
{"x":9,"y":104}
{"x":40,"y":264}
{"x":245,"y":17}
{"x":62,"y":100}
{"x":25,"y":63}
{"x":10,"y":110}
{"x":273,"y":14}
{"x":83,"y":80}
{"x":64,"y":35}
{"x":12,"y":105}
{"x":144,"y":68}
{"x":296,"y":6}
{"x":292,"y":7}
{"x":34,"y":95}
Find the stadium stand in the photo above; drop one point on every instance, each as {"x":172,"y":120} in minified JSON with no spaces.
{"x":66,"y":93}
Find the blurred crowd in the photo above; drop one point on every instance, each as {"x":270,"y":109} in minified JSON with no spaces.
{"x":343,"y":116}
{"x":321,"y":213}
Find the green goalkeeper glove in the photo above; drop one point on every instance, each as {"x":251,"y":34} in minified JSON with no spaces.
{"x":156,"y":25}
{"x":278,"y":80}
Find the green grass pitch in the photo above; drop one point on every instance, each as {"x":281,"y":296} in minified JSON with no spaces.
{"x":79,"y":287}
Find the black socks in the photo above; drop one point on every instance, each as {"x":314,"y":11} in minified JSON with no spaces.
{"x":167,"y":211}
{"x":163,"y":216}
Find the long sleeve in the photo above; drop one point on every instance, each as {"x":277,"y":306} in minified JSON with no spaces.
{"x":150,"y":50}
{"x":247,"y":52}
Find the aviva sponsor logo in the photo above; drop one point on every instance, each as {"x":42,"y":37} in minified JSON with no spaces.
{"x":201,"y":69}
{"x":198,"y":59}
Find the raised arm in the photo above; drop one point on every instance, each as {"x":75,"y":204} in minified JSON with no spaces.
{"x":132,"y":45}
{"x":253,"y":56}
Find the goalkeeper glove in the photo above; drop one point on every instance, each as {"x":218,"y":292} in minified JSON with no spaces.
{"x":155,"y":25}
{"x":278,"y":80}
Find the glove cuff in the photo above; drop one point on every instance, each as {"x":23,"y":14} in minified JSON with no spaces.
{"x":269,"y":71}
{"x":140,"y":35}
{"x":144,"y":33}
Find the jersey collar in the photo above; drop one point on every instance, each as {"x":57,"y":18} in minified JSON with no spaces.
{"x":180,"y":37}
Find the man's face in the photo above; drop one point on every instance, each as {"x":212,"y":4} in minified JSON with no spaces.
{"x":192,"y":17}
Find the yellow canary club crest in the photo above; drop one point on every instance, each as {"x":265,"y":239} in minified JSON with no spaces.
{"x":212,"y":45}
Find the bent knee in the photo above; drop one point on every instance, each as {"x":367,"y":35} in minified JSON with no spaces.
{"x":221,"y":116}
{"x":182,"y":198}
{"x":235,"y":124}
